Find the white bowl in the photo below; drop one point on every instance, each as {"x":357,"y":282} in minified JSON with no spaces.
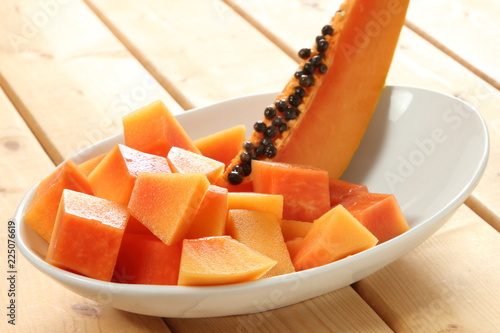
{"x":426,"y":148}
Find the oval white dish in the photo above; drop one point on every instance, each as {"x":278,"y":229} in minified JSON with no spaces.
{"x":428,"y":149}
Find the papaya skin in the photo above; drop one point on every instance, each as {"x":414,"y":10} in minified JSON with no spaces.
{"x":336,"y":111}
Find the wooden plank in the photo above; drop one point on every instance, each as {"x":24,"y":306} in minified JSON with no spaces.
{"x":340,"y":311}
{"x":207,"y":51}
{"x":42,"y":305}
{"x":449,"y":283}
{"x":467,"y":30}
{"x":68,"y":75}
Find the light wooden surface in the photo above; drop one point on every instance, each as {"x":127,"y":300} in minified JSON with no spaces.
{"x":69,"y":70}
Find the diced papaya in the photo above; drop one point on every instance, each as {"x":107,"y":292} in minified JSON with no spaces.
{"x":134,"y":226}
{"x":220,"y":260}
{"x":210,"y":219}
{"x":339,"y":189}
{"x":272,"y":203}
{"x":223,"y":145}
{"x":115,"y":176}
{"x":378,"y":212}
{"x":185,"y":161}
{"x":145,"y":259}
{"x":261,"y":231}
{"x":334,"y":236}
{"x":294,"y":246}
{"x":304,"y":189}
{"x":42,"y":210}
{"x":88,"y":166}
{"x":292,"y":229}
{"x":153,"y":129}
{"x":87,"y":235}
{"x":167,"y":202}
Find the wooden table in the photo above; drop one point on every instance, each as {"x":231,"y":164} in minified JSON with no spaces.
{"x":69,"y":70}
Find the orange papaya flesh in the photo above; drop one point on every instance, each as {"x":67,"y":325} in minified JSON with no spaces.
{"x":145,"y":259}
{"x":293,"y":229}
{"x":380,"y":213}
{"x":334,"y":236}
{"x":153,"y":129}
{"x":339,"y":189}
{"x":185,"y":161}
{"x":42,"y":210}
{"x":134,"y":226}
{"x":261,"y":232}
{"x":210,"y":219}
{"x":220,"y":260}
{"x":222,"y":146}
{"x":327,"y":105}
{"x":293,"y":246}
{"x":167,"y":202}
{"x":272,"y":203}
{"x":87,"y":235}
{"x":114,"y":177}
{"x":88,"y":166}
{"x":305,"y":189}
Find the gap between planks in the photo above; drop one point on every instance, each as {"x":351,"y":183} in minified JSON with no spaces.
{"x":282,"y":45}
{"x":440,"y":46}
{"x":483,"y":212}
{"x":51,"y":151}
{"x":167,"y":84}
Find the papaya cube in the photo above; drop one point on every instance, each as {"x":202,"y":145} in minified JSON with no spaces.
{"x":115,"y":176}
{"x":210,"y":219}
{"x":87,"y":235}
{"x":334,"y":236}
{"x":153,"y":129}
{"x":88,"y":166}
{"x":339,"y":189}
{"x":185,"y":161}
{"x":145,"y":259}
{"x":261,"y":231}
{"x":42,"y":210}
{"x":305,"y":189}
{"x":378,"y":212}
{"x":220,"y":260}
{"x":294,"y":246}
{"x":292,"y":229}
{"x":134,"y":226}
{"x":166,"y":203}
{"x":224,"y":145}
{"x":272,"y":203}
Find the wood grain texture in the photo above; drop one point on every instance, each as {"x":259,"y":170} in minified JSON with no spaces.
{"x":339,"y":311}
{"x":68,"y":75}
{"x":449,"y":283}
{"x":42,"y":304}
{"x":204,"y":49}
{"x":466,"y":30}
